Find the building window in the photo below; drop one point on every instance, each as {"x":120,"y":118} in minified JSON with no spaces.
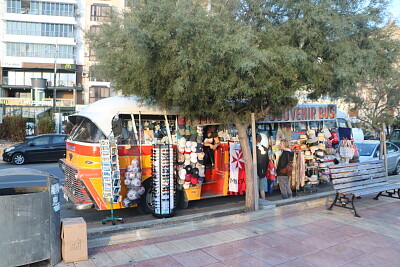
{"x":40,"y":29}
{"x":40,"y":8}
{"x":99,"y":12}
{"x":98,"y":92}
{"x":130,"y":3}
{"x":92,"y":54}
{"x":39,"y":50}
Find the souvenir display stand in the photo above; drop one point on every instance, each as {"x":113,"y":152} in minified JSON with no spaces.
{"x":110,"y":176}
{"x":163,"y":169}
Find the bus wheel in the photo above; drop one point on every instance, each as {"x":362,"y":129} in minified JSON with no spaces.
{"x":145,"y":205}
{"x":183,"y":202}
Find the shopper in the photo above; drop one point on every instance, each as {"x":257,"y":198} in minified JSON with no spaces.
{"x":210,"y":143}
{"x":262,"y":165}
{"x":285,"y":158}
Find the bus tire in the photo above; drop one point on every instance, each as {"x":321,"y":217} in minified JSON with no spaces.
{"x":145,"y":205}
{"x":183,"y":202}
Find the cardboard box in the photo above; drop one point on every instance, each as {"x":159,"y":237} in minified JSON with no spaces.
{"x":74,"y":240}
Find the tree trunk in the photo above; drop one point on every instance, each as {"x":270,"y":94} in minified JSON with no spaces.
{"x":248,"y":163}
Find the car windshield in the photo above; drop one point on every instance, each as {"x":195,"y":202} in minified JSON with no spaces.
{"x":395,"y":137}
{"x":365,"y":149}
{"x":86,"y":131}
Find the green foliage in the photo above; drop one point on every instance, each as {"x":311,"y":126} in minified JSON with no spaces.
{"x":46,"y":124}
{"x":242,"y":56}
{"x":13,"y":128}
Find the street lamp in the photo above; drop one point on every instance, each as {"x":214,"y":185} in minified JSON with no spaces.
{"x":55,"y":77}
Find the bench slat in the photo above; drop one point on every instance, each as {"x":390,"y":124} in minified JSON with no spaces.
{"x":363,"y":187}
{"x":357,"y":168}
{"x":338,"y":166}
{"x":375,"y":190}
{"x":359,"y":183}
{"x":358,"y":178}
{"x":353,"y":174}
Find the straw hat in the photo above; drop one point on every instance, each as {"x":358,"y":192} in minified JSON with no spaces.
{"x":307,"y":153}
{"x":321,"y":146}
{"x":312,"y":140}
{"x":321,"y":137}
{"x":313,"y":148}
{"x":303,"y":137}
{"x":308,"y":157}
{"x":311,"y":132}
{"x":324,"y":178}
{"x":313,"y":178}
{"x":304,"y":147}
{"x":186,"y":185}
{"x":322,"y":166}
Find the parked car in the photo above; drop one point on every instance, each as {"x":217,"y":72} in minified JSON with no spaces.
{"x":46,"y":147}
{"x":369,"y":150}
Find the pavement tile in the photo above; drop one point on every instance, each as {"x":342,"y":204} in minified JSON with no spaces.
{"x":182,"y":244}
{"x":372,"y":261}
{"x":388,"y":253}
{"x":246,"y":232}
{"x":88,"y":263}
{"x":351,"y":264}
{"x":296,"y":249}
{"x":168,"y":248}
{"x":395,"y":246}
{"x":161,"y":261}
{"x":218,"y":264}
{"x":293,"y":233}
{"x":153,"y":251}
{"x":321,"y":241}
{"x":311,"y":228}
{"x":249,"y":245}
{"x":197,"y":242}
{"x":322,"y":258}
{"x":224,"y":252}
{"x":370,"y":242}
{"x":273,"y":256}
{"x":102,"y":260}
{"x":272,"y":239}
{"x":94,"y":251}
{"x":224,"y":236}
{"x":296,"y":263}
{"x":120,"y":257}
{"x":345,"y":252}
{"x":245,"y":260}
{"x":112,"y":248}
{"x":128,"y":245}
{"x":351,"y":230}
{"x":211,"y":240}
{"x":137,"y":254}
{"x":330,"y":224}
{"x":194,"y":258}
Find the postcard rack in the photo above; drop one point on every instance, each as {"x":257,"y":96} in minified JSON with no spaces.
{"x":110,"y":176}
{"x":163,"y":162}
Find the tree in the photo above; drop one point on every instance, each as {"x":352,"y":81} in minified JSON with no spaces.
{"x":238,"y":58}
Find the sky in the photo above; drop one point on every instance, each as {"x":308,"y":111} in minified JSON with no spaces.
{"x":395,"y":9}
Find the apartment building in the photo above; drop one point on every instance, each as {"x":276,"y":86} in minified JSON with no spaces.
{"x":41,"y":43}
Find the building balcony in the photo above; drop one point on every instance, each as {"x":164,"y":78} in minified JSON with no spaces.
{"x":16,"y":101}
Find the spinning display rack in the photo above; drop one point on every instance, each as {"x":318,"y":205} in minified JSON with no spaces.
{"x":163,"y":169}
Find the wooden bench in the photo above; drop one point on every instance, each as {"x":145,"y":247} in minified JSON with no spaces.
{"x":354,"y":180}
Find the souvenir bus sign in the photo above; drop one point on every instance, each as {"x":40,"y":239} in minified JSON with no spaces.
{"x":305,"y":113}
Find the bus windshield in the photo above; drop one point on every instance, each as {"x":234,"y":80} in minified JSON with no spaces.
{"x":86,"y":131}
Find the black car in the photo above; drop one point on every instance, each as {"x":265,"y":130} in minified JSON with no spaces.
{"x":46,"y":147}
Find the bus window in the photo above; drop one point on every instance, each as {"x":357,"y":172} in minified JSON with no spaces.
{"x":330,"y":124}
{"x":299,"y":126}
{"x":87,"y":132}
{"x":315,"y":125}
{"x":342,"y":123}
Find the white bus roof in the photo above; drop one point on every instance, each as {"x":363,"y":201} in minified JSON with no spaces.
{"x":103,"y":111}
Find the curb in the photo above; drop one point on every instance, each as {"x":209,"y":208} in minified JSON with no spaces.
{"x":119,"y":234}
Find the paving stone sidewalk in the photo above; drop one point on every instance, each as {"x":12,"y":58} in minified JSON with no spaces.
{"x":287,"y":236}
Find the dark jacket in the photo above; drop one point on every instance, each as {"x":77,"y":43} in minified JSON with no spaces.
{"x":262,"y":162}
{"x":285,"y":158}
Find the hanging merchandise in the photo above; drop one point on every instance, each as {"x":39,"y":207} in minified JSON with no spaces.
{"x":163,"y":181}
{"x":133,"y":182}
{"x":110,"y":175}
{"x":237,"y":183}
{"x":346,"y":150}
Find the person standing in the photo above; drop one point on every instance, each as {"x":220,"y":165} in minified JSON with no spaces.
{"x":262,"y":166}
{"x":210,"y":143}
{"x":285,"y":159}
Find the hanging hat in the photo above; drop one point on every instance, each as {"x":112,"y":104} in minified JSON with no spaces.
{"x":313,"y":178}
{"x":193,"y":130}
{"x":193,"y":138}
{"x":181,"y":129}
{"x":313,"y":148}
{"x":307,"y":153}
{"x":195,"y":180}
{"x":188,"y":177}
{"x":181,"y":120}
{"x":188,"y":147}
{"x":324,"y":178}
{"x":304,"y":147}
{"x":320,"y":153}
{"x":186,"y":185}
{"x":303,"y":137}
{"x":312,"y":140}
{"x":188,"y":121}
{"x":199,"y":139}
{"x":193,"y":157}
{"x":308,"y":157}
{"x":201,"y":171}
{"x":321,"y":146}
{"x":181,"y":181}
{"x":321,"y":137}
{"x":200,"y":155}
{"x":199,"y":148}
{"x":182,"y":174}
{"x":201,"y":179}
{"x":322,"y":166}
{"x":200,"y":130}
{"x":311,"y":132}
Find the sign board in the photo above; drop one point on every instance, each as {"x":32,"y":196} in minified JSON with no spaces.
{"x":305,"y":113}
{"x":45,"y":103}
{"x":68,"y":66}
{"x":11,"y":64}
